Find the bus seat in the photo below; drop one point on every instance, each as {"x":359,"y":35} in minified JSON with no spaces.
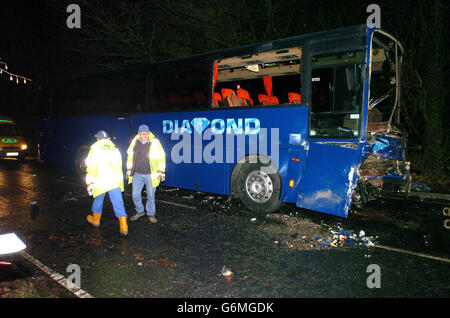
{"x":230,"y":98}
{"x":154,"y":100}
{"x":175,"y":99}
{"x":199,"y":97}
{"x":244,"y":96}
{"x":294,"y":98}
{"x":268,"y":100}
{"x":216,"y":99}
{"x":188,"y":100}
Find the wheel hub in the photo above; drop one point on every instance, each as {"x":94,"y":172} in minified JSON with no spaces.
{"x":259,"y":186}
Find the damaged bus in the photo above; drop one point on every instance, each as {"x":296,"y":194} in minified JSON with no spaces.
{"x":312,"y":120}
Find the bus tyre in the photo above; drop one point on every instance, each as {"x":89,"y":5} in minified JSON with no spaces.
{"x":80,"y":161}
{"x":259,"y":188}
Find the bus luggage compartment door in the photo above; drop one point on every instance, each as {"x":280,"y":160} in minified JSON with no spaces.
{"x":329,"y":178}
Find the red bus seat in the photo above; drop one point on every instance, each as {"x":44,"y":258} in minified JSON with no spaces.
{"x":268,"y":100}
{"x":216,"y":99}
{"x":244,"y":96}
{"x":230,"y":98}
{"x":294,"y":98}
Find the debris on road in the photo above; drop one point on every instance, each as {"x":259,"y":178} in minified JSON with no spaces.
{"x":343,"y":237}
{"x":34,"y":210}
{"x":226,"y":272}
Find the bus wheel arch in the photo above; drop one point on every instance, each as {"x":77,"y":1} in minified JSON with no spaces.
{"x":255,"y":180}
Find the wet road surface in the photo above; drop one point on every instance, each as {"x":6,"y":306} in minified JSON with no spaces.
{"x":198,"y":234}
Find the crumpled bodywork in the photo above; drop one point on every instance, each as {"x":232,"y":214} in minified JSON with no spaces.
{"x":384,"y":172}
{"x":329,"y":178}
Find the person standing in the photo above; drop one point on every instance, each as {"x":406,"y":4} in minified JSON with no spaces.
{"x":104,"y":175}
{"x":146,"y":166}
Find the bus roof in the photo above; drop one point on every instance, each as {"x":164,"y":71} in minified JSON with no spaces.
{"x":317,"y":38}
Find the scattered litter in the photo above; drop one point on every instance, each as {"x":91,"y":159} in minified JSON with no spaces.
{"x":34,"y":210}
{"x":253,"y":219}
{"x":336,"y":229}
{"x":343,"y":237}
{"x":420,"y":187}
{"x":226,"y":272}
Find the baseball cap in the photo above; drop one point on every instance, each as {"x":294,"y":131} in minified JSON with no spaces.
{"x":143,"y":128}
{"x":101,"y":134}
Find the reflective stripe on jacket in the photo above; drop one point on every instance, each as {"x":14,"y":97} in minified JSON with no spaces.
{"x":156,"y":155}
{"x":104,"y":167}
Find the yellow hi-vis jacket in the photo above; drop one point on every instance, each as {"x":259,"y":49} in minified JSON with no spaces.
{"x":156,"y":155}
{"x":104,"y":167}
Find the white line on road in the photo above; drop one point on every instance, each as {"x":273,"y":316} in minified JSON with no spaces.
{"x":60,"y":279}
{"x":441,"y":259}
{"x":127,"y":194}
{"x":398,"y":250}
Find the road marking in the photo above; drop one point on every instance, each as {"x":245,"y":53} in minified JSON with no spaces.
{"x":441,"y":259}
{"x":128,"y":194}
{"x":60,"y":279}
{"x":172,"y":203}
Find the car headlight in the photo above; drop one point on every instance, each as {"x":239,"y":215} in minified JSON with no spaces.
{"x":24,"y":147}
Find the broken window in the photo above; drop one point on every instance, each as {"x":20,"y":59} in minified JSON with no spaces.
{"x":267,"y":78}
{"x":336,"y":95}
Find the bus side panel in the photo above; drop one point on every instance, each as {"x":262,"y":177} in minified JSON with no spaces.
{"x":329,"y":178}
{"x":60,"y":138}
{"x":270,"y":131}
{"x":182,"y":170}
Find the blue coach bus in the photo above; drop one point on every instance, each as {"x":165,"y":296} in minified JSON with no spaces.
{"x":312,"y":120}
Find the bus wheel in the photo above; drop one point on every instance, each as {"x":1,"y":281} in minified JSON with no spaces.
{"x":259,"y":188}
{"x":80,"y":161}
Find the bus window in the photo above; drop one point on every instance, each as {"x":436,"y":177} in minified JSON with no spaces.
{"x":124,"y":91}
{"x":267,"y":77}
{"x":336,"y":100}
{"x":179,"y":87}
{"x":384,"y":87}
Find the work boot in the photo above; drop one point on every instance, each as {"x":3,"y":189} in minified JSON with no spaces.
{"x":137,"y":216}
{"x":94,"y":219}
{"x":123,"y":225}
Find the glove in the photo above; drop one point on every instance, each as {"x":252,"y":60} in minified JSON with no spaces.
{"x":90,"y":188}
